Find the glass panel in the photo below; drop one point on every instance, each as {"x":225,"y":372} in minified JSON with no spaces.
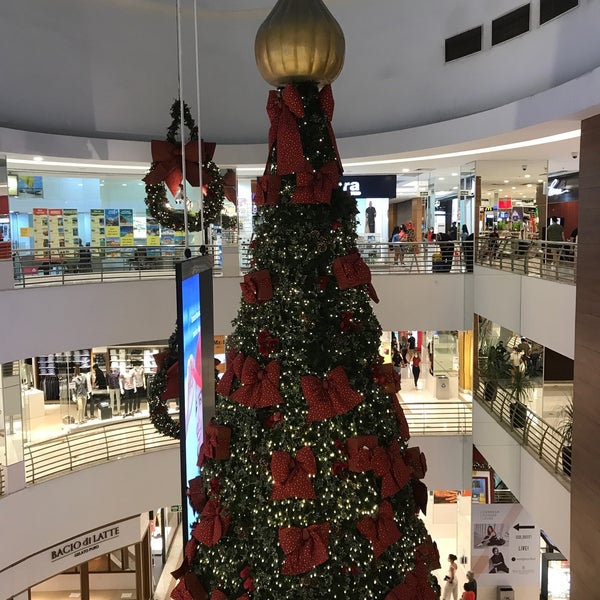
{"x":12,"y":415}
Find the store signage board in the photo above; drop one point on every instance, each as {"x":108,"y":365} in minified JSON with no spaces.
{"x":196,"y":368}
{"x":84,"y":544}
{"x":369,"y":186}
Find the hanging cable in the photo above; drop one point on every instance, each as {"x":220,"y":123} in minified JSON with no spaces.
{"x":201,"y":201}
{"x":181,"y":125}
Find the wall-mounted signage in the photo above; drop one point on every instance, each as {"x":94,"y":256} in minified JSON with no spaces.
{"x":83,"y":544}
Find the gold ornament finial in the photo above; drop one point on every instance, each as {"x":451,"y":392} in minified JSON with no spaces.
{"x":300,"y":40}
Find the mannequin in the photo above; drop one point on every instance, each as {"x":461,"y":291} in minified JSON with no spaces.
{"x":129,"y":390}
{"x":115,"y":389}
{"x":80,"y":391}
{"x":140,"y":392}
{"x":91,"y":401}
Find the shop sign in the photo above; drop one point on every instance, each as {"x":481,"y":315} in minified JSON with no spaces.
{"x":369,"y":186}
{"x":83,"y":544}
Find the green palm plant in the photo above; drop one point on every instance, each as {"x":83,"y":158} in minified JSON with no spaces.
{"x":565,"y":428}
{"x":520,"y":386}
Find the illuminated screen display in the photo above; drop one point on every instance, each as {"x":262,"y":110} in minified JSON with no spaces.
{"x":196,"y":378}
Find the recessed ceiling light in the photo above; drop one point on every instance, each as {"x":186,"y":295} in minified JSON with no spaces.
{"x":406,"y":170}
{"x":529,"y":185}
{"x":527,"y":176}
{"x":456,"y":187}
{"x":506,"y":181}
{"x":101,"y":185}
{"x":441,"y":178}
{"x":500,"y":190}
{"x":124,"y":184}
{"x":454,"y":174}
{"x":80,"y":184}
{"x":540,"y":181}
{"x":514,"y":188}
{"x":38,"y":158}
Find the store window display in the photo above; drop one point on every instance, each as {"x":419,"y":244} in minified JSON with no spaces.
{"x":115,"y":388}
{"x":140,"y":387}
{"x":129,"y":390}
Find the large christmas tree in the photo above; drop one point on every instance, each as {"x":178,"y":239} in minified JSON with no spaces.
{"x":309,"y":488}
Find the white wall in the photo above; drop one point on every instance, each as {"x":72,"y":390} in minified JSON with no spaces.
{"x":43,"y":515}
{"x":541,"y":310}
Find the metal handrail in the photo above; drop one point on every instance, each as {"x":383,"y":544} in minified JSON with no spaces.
{"x":88,"y":446}
{"x":543,"y":441}
{"x":439,"y":418}
{"x":556,"y":261}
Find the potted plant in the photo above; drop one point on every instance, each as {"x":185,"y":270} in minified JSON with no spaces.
{"x":493,"y":367}
{"x":565,"y":428}
{"x":520,"y":386}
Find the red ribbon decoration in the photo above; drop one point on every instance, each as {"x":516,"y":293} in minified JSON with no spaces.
{"x":268,"y":189}
{"x":382,"y":530}
{"x":360,"y":452}
{"x":260,"y":386}
{"x":283,"y":108}
{"x":389,"y":465}
{"x":273,"y":419}
{"x":351,"y":271}
{"x":347,"y":323}
{"x":327,"y":106}
{"x":291,"y":475}
{"x":167,"y":163}
{"x":213,"y":525}
{"x":329,"y":397}
{"x":429,"y":554}
{"x":216,"y":444}
{"x":316,"y":187}
{"x":416,"y":460}
{"x":401,"y":418}
{"x":189,"y":588}
{"x":230,"y":185}
{"x":304,"y":547}
{"x":233,"y":369}
{"x":419,"y":490}
{"x":196,"y":494}
{"x":267,"y":343}
{"x":387,"y":378}
{"x":257,"y":287}
{"x":415,"y":587}
{"x":190,"y":550}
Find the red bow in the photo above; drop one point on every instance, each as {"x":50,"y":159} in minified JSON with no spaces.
{"x":388,"y":464}
{"x":268,"y":189}
{"x":167,"y":163}
{"x":415,"y":587}
{"x":260,"y":385}
{"x":196,"y":494}
{"x":304,"y":547}
{"x":316,"y":187}
{"x":401,"y":418}
{"x":382,"y":530}
{"x":419,"y":490}
{"x":230,"y":185}
{"x":329,"y":397}
{"x":387,"y":378}
{"x":360,"y":452}
{"x":351,"y":271}
{"x":416,"y":460}
{"x":189,"y":588}
{"x":234,"y":361}
{"x":429,"y":554}
{"x":283,"y":109}
{"x":213,"y":525}
{"x":291,"y":475}
{"x":190,"y":550}
{"x":327,"y":105}
{"x":216,"y":444}
{"x":257,"y":287}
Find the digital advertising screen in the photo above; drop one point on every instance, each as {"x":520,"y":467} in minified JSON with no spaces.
{"x":196,"y":370}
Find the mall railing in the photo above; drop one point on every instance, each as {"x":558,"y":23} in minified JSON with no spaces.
{"x":543,"y":441}
{"x":549,"y":260}
{"x":537,"y":258}
{"x":59,"y":266}
{"x":87,"y":446}
{"x":1,"y":480}
{"x":439,"y":418}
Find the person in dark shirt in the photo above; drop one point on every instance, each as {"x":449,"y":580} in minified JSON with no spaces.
{"x":471,"y":584}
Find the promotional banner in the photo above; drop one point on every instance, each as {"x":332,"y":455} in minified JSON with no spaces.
{"x":98,"y":227}
{"x":113,"y":228}
{"x":126,"y":226}
{"x":56,"y":227}
{"x":41,"y":231}
{"x":505,"y":547}
{"x":152,"y":235}
{"x":71,"y":227}
{"x":372,"y":219}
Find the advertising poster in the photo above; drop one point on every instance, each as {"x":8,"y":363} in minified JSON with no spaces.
{"x":126,"y":226}
{"x":98,"y":227}
{"x":139,"y":229}
{"x":505,"y":546}
{"x":57,"y":227}
{"x":40,"y":231}
{"x":192,"y":377}
{"x":71,"y":227}
{"x":167,"y":241}
{"x":113,"y":228}
{"x":152,"y":235}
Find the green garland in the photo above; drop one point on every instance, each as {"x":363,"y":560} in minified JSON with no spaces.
{"x":156,"y":194}
{"x":159,"y":408}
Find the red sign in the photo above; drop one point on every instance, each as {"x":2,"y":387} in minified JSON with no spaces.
{"x":504,"y":204}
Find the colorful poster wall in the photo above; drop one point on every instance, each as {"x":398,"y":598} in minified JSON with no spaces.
{"x":56,"y":227}
{"x":126,"y":226}
{"x":98,"y":228}
{"x":41,"y":231}
{"x":505,"y":546}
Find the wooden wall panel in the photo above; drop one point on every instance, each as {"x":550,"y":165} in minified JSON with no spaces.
{"x":585,"y":480}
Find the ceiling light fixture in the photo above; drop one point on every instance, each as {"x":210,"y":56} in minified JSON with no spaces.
{"x":58,"y":163}
{"x":38,"y":158}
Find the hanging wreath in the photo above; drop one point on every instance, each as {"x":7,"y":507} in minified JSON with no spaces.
{"x":166,"y":169}
{"x":163,"y":388}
